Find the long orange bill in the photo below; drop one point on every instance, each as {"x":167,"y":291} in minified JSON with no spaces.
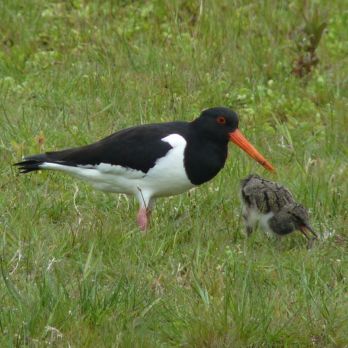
{"x":239,"y":139}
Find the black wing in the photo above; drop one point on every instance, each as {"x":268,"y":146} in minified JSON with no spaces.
{"x":136,"y":148}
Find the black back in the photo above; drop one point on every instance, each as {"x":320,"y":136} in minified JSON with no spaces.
{"x":135,"y":148}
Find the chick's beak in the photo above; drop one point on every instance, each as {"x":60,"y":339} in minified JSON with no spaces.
{"x":240,"y":140}
{"x":307,"y":228}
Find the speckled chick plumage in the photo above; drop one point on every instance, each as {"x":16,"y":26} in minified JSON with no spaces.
{"x":272,"y":207}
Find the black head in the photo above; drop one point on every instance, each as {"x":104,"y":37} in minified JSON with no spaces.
{"x":291,"y":217}
{"x":217,"y":123}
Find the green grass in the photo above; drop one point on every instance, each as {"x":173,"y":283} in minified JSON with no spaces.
{"x":75,"y":270}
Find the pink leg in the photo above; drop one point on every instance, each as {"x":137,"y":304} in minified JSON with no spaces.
{"x":143,"y":218}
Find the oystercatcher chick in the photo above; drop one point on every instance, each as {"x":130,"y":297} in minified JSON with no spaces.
{"x":153,"y":160}
{"x":273,"y":208}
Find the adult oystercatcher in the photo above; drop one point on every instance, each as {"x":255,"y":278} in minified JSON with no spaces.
{"x":152,"y":160}
{"x":273,"y":207}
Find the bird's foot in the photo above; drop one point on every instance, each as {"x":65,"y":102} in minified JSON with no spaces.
{"x":143,"y":219}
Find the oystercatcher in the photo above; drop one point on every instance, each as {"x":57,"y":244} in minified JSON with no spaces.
{"x":152,"y":160}
{"x":273,"y":207}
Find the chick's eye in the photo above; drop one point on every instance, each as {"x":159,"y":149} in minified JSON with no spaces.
{"x":221,"y":120}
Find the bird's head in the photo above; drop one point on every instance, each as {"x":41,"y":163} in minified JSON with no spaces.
{"x":221,"y":125}
{"x":298,"y":215}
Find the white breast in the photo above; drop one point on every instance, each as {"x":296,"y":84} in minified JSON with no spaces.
{"x":168,"y":176}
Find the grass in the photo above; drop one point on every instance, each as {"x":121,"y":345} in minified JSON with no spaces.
{"x":75,"y":270}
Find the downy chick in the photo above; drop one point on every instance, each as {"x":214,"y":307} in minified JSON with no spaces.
{"x":273,"y":207}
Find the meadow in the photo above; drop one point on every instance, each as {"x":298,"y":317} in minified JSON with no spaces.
{"x":76,"y":271}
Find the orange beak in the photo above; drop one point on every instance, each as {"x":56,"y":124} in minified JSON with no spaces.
{"x":239,"y":139}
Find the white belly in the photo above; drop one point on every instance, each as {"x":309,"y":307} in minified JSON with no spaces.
{"x":254,"y":218}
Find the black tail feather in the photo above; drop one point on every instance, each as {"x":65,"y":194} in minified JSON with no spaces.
{"x":31,"y":163}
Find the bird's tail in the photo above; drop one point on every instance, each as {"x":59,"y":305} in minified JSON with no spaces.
{"x":31,"y":163}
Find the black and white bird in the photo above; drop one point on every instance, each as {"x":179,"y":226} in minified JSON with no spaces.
{"x":272,"y":207}
{"x":153,"y":160}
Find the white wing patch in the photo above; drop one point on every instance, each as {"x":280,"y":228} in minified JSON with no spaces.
{"x":175,"y":140}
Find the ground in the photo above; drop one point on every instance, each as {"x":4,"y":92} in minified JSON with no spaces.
{"x":75,"y":269}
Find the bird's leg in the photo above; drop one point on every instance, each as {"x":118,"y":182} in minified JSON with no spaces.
{"x":248,"y":226}
{"x":249,"y":230}
{"x":144,"y":213}
{"x":143,"y":218}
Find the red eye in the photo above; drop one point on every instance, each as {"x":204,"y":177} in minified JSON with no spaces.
{"x":221,"y":120}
